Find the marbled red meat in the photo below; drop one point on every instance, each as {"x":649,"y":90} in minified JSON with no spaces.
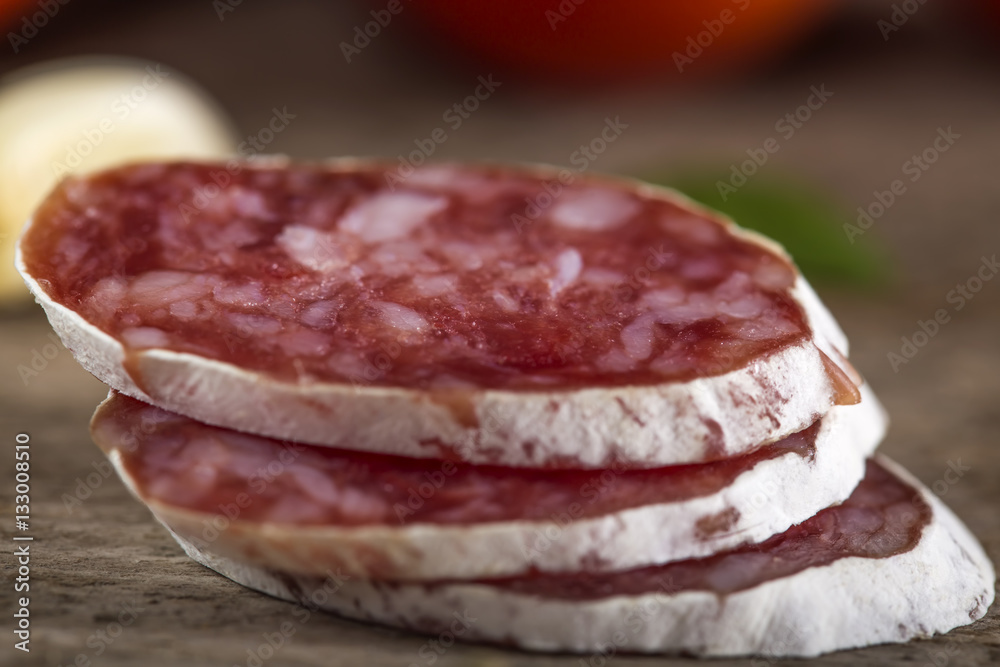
{"x":184,"y":463}
{"x":324,"y":274}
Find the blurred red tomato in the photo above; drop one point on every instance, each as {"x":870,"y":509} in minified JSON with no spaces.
{"x":11,"y":12}
{"x":991,"y":8}
{"x":588,"y":39}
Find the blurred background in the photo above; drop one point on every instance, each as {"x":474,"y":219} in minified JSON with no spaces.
{"x":862,"y":134}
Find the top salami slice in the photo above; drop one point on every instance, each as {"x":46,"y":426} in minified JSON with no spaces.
{"x":521,"y":316}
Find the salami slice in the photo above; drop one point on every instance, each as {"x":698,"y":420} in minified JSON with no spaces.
{"x":307,"y":509}
{"x":889,"y":564}
{"x":518,"y":316}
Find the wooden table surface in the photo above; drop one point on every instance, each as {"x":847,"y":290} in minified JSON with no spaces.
{"x":94,"y":560}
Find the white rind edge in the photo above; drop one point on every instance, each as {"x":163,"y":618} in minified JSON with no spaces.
{"x":638,"y":426}
{"x":944,"y":582}
{"x":770,"y":497}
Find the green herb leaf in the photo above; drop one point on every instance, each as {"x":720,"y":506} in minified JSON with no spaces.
{"x":809,"y":223}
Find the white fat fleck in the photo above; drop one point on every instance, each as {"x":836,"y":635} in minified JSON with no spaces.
{"x":391,"y":215}
{"x":246,"y":295}
{"x":732,"y":569}
{"x":505,"y":301}
{"x":364,"y":505}
{"x":701,"y":231}
{"x":772,"y":275}
{"x":432,"y":286}
{"x":593,"y":209}
{"x":747,"y":306}
{"x":108,"y":293}
{"x":159,"y":288}
{"x":471,"y":186}
{"x":568,"y":266}
{"x":401,"y":317}
{"x":184,"y":310}
{"x":468,"y":256}
{"x":315,"y":484}
{"x":319,"y":314}
{"x":602,"y":277}
{"x":250,"y":203}
{"x":145,"y":337}
{"x":734,"y":287}
{"x":356,"y":273}
{"x":637,"y":337}
{"x":155,"y":281}
{"x":312,"y":248}
{"x":663,"y":299}
{"x":698,"y":307}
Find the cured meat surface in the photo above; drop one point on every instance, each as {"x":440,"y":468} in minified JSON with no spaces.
{"x":305,"y":509}
{"x":336,"y":306}
{"x":891,"y":564}
{"x":184,"y":463}
{"x":882,"y":518}
{"x":439,"y":281}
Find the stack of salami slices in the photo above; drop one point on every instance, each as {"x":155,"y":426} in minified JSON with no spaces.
{"x":559,"y":412}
